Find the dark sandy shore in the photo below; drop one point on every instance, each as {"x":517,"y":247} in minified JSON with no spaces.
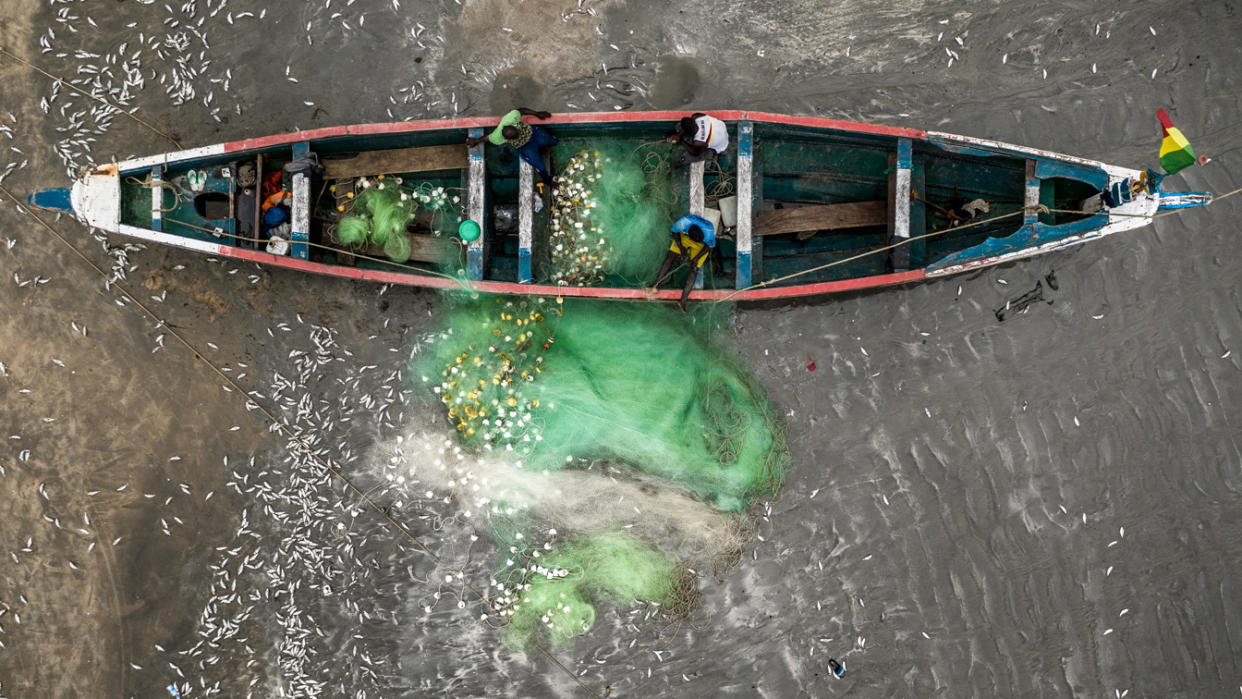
{"x":1047,"y":506}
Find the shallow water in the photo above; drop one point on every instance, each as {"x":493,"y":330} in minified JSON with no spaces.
{"x":953,"y":523}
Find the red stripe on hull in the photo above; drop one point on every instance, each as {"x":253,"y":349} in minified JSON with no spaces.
{"x":577,"y":118}
{"x":433,"y":282}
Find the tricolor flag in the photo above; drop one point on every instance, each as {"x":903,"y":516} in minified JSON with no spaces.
{"x":1175,"y":152}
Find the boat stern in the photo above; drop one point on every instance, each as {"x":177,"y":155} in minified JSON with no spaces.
{"x":96,"y":198}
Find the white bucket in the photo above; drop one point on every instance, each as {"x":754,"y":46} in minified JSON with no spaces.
{"x":728,"y":210}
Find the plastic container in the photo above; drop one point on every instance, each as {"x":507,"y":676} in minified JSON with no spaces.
{"x":728,"y":210}
{"x":713,"y":215}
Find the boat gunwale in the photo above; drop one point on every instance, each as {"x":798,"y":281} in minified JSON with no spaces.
{"x":465,"y":123}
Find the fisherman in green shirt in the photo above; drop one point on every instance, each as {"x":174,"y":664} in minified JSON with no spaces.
{"x":531,"y":142}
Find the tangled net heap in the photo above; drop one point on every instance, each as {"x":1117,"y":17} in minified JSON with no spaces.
{"x":629,"y":388}
{"x":485,"y":386}
{"x":444,"y":206}
{"x":381,"y":213}
{"x":553,"y":596}
{"x":607,"y":219}
{"x":579,"y":252}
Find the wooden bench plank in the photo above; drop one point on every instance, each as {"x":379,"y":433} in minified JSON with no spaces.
{"x":745,"y":192}
{"x":900,"y":164}
{"x":821,"y":217}
{"x":697,"y":197}
{"x":299,"y":233}
{"x":476,"y":205}
{"x":430,"y":248}
{"x":526,"y":220}
{"x":157,"y":198}
{"x":423,"y":248}
{"x":397,"y":160}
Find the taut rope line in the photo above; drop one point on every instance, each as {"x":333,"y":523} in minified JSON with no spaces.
{"x":905,"y":241}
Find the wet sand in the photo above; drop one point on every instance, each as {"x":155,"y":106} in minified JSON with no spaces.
{"x":1046,"y":506}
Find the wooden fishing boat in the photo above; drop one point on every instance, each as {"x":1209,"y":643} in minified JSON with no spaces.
{"x":822,"y":205}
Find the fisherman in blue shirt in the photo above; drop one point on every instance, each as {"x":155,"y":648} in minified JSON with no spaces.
{"x":693,"y":239}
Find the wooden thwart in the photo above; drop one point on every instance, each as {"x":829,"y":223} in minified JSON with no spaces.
{"x":423,"y":248}
{"x":383,"y":162}
{"x":821,"y":217}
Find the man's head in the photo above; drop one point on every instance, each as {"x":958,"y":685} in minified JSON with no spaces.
{"x":695,"y":233}
{"x":686,"y":126}
{"x":510,"y":132}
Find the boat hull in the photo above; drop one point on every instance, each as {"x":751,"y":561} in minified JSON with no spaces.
{"x":96,"y":199}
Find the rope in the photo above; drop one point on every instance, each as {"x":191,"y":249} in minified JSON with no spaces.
{"x":1153,"y":216}
{"x":73,"y":87}
{"x":1038,"y":208}
{"x":293,"y":436}
{"x":890,"y":246}
{"x":149,"y":183}
{"x":321,"y":246}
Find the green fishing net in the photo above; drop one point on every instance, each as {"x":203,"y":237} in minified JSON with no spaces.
{"x":381,"y":212}
{"x":398,"y":247}
{"x":618,"y":382}
{"x":442,"y":204}
{"x":608,"y":222}
{"x":637,"y":388}
{"x":353,"y":230}
{"x":552,"y":598}
{"x":635,"y":394}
